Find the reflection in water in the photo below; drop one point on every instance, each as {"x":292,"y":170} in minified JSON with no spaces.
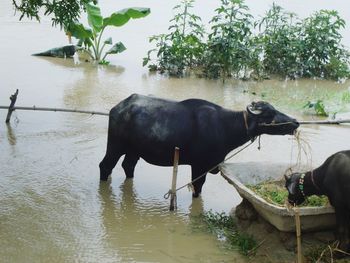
{"x":142,"y":230}
{"x":197,"y":207}
{"x":11,"y":137}
{"x":72,"y":63}
{"x":93,"y":86}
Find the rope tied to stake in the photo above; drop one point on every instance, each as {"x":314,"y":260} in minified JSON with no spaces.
{"x":190,"y":184}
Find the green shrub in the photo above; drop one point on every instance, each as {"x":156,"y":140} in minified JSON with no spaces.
{"x":228,"y":50}
{"x":280,"y":37}
{"x":285,"y":45}
{"x":304,"y":48}
{"x":322,"y":54}
{"x":182,"y":48}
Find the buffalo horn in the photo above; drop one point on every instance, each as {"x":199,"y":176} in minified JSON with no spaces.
{"x":253,"y":110}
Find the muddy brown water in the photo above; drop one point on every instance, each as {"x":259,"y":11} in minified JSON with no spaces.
{"x":52,"y":205}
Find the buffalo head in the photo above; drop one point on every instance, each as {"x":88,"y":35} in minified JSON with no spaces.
{"x":265,"y":119}
{"x":295,"y":187}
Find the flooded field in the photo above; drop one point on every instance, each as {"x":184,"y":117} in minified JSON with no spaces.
{"x":53,"y":207}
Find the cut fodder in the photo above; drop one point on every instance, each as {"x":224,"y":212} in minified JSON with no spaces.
{"x":302,"y":153}
{"x":275,"y":193}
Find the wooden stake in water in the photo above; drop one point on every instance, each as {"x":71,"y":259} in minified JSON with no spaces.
{"x":173,"y":184}
{"x":13,"y":99}
{"x":298,"y":232}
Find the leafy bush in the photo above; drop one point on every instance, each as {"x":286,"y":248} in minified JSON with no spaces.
{"x":285,"y":45}
{"x":304,"y":48}
{"x":182,"y":48}
{"x":322,"y":54}
{"x":228,"y":50}
{"x":280,"y":37}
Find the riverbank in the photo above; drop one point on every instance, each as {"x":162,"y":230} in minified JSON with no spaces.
{"x":277,"y":246}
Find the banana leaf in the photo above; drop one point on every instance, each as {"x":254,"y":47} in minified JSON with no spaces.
{"x":79,"y":31}
{"x":95,"y":18}
{"x":116,"y":48}
{"x":121,"y":17}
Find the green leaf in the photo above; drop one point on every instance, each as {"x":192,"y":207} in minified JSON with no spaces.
{"x":121,"y":17}
{"x":104,"y":62}
{"x":95,"y":18}
{"x":145,"y":61}
{"x":108,"y":41}
{"x":137,"y":12}
{"x":117,"y":48}
{"x":79,"y":31}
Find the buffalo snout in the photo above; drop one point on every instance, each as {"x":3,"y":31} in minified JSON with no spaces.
{"x":281,"y":124}
{"x":286,"y":124}
{"x":295,"y":196}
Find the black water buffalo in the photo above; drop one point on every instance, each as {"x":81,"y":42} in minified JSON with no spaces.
{"x":332,"y":179}
{"x":150,"y":128}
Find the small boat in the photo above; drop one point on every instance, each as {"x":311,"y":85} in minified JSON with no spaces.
{"x":251,"y":173}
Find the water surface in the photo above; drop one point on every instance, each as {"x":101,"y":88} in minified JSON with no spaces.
{"x":53,"y":207}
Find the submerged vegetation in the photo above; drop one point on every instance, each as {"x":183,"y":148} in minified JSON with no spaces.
{"x":284,"y":45}
{"x":66,"y":14}
{"x":318,"y":107}
{"x":182,"y":48}
{"x":224,"y":227}
{"x":229,"y":49}
{"x":275,"y":193}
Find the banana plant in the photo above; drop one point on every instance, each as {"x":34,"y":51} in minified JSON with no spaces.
{"x":90,"y":39}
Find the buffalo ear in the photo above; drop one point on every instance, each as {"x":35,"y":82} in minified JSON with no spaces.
{"x":251,"y":108}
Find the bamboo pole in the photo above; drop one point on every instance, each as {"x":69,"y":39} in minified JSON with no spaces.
{"x":298,"y":233}
{"x":173,"y":184}
{"x":56,"y":109}
{"x":325,"y":122}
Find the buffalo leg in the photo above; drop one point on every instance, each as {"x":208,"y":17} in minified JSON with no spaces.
{"x":129,"y":164}
{"x":197,"y":185}
{"x":110,"y":160}
{"x":342,"y":216}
